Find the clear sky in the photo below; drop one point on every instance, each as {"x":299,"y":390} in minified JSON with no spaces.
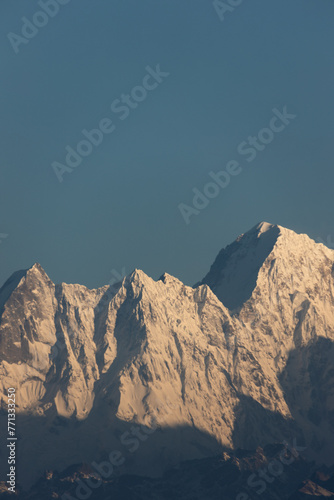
{"x":120,"y":207}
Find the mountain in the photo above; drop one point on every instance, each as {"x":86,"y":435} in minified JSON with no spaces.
{"x":285,"y":307}
{"x":230,"y":476}
{"x":159,"y":373}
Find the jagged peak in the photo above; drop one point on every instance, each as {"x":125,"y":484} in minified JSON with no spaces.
{"x":263,"y":227}
{"x":138,"y":277}
{"x":36,"y":268}
{"x":36,"y":272}
{"x":15,"y":279}
{"x":138,"y":273}
{"x":169,"y":279}
{"x":282,"y":237}
{"x":9,"y":286}
{"x":260,"y":230}
{"x":266,"y":228}
{"x":233,"y":275}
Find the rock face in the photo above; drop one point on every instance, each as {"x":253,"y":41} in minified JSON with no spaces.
{"x":287,"y":321}
{"x":244,"y":359}
{"x":238,"y":476}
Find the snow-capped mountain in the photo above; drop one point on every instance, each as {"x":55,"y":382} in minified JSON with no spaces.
{"x":242,"y":360}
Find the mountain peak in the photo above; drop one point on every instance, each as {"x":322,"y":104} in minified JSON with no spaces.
{"x":160,"y":352}
{"x":138,"y":274}
{"x":262,"y":227}
{"x":138,"y":279}
{"x":168,"y":279}
{"x":259,"y":230}
{"x":233,"y":275}
{"x":36,"y":269}
{"x":15,"y":279}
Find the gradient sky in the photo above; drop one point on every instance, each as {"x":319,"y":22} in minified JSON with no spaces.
{"x":119,"y":208}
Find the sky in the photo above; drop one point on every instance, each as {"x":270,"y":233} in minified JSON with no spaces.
{"x":198,"y":82}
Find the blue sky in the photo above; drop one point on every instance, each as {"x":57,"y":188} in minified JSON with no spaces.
{"x":119,"y":208}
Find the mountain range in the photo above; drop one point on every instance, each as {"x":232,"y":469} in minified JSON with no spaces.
{"x":160,"y":373}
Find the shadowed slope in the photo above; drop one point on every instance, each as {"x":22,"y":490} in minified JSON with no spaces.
{"x":233,"y":274}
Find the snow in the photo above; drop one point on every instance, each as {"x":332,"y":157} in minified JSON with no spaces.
{"x":233,"y":275}
{"x":221,"y":354}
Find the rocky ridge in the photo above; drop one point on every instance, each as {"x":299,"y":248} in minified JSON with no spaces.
{"x":242,"y":360}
